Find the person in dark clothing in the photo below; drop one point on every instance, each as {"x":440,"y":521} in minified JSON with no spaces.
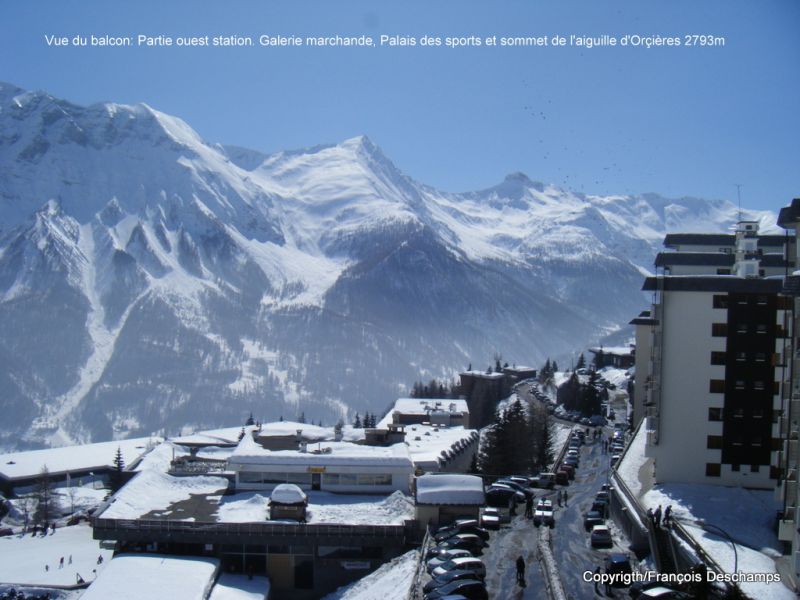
{"x":528,"y":507}
{"x":667,"y":515}
{"x":521,"y":571}
{"x":657,"y":516}
{"x":565,"y":497}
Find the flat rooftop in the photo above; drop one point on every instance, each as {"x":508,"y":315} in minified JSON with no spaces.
{"x":23,"y":465}
{"x":148,"y":576}
{"x":152,"y":495}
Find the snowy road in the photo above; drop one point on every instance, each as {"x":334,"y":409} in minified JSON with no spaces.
{"x":571,"y":547}
{"x":505,"y":546}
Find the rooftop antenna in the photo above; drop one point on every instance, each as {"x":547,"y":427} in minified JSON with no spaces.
{"x":739,"y":198}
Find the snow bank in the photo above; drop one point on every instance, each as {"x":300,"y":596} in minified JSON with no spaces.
{"x":631,"y":464}
{"x":324,"y":507}
{"x":391,"y":581}
{"x":243,"y":508}
{"x":151,"y":490}
{"x":450,"y":489}
{"x":145,"y":577}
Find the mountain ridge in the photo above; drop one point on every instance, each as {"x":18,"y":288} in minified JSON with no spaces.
{"x":189,"y":290}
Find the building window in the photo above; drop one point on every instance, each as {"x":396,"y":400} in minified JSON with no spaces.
{"x":723,"y":272}
{"x":738,"y":413}
{"x":784,"y":303}
{"x":758,"y":413}
{"x":742,"y":300}
{"x":715,"y":414}
{"x":713,"y":469}
{"x":761,"y":328}
{"x":741,"y":356}
{"x":721,"y":301}
{"x":719,"y":329}
{"x":739,"y":441}
{"x":717,"y":358}
{"x":717,"y":386}
{"x":761,"y":300}
{"x":755,"y":468}
{"x":735,"y":468}
{"x":776,"y":388}
{"x":739,"y":384}
{"x":756,"y":442}
{"x":741,"y":328}
{"x":714,"y":442}
{"x":758,"y":385}
{"x":761,"y":357}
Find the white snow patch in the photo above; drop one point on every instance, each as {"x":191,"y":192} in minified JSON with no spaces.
{"x":390,"y":582}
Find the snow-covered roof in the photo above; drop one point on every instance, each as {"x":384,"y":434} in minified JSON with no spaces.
{"x":484,"y":374}
{"x":615,"y":350}
{"x":288,"y":493}
{"x":422,"y":406}
{"x":19,"y":465}
{"x":322,"y":454}
{"x":449,"y":488}
{"x":148,"y":576}
{"x":427,"y":450}
{"x":308,"y":431}
{"x":154,"y":491}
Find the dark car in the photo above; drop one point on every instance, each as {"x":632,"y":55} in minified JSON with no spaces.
{"x":618,"y":563}
{"x":469,"y":588}
{"x":448,"y":577}
{"x":516,"y":486}
{"x":451,"y":530}
{"x":465,"y":541}
{"x":600,"y":506}
{"x":500,"y":497}
{"x":593,"y":518}
{"x":562,"y":477}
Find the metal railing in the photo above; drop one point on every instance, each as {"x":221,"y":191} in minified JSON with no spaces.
{"x":248,"y":529}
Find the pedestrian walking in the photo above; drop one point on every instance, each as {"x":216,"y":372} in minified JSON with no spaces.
{"x":657,"y":516}
{"x":668,"y":515}
{"x":70,"y":559}
{"x":528,"y":507}
{"x":651,"y":516}
{"x":565,"y":498}
{"x":521,"y":571}
{"x":47,"y":568}
{"x":61,"y":563}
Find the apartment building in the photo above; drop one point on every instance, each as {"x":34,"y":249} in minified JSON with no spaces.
{"x":711,"y":385}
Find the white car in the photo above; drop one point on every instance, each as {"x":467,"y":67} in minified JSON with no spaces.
{"x":601,"y":537}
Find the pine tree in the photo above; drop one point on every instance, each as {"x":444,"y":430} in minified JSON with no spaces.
{"x":469,"y":367}
{"x":115,"y":477}
{"x":357,"y":422}
{"x":555,"y":367}
{"x":581,"y":364}
{"x":47,"y":503}
{"x":250,"y":420}
{"x":302,"y":417}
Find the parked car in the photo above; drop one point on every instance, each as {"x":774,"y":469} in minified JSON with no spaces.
{"x":525,"y":490}
{"x":451,"y":530}
{"x":601,"y":537}
{"x":664,"y":593}
{"x":445,"y":578}
{"x":562,"y":477}
{"x":437,"y":558}
{"x":600,"y":506}
{"x":462,"y":563}
{"x":602,"y":495}
{"x":615,"y":458}
{"x":569,"y":468}
{"x":500,"y":497}
{"x":472,"y":589}
{"x":593,"y":518}
{"x":466,"y":541}
{"x":504,"y":485}
{"x":491,"y":518}
{"x":547,"y":480}
{"x":618,"y":563}
{"x":6,"y":531}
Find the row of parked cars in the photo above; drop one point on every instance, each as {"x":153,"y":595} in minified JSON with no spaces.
{"x":454,"y":564}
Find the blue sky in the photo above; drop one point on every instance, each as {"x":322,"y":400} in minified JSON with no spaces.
{"x":677,"y":121}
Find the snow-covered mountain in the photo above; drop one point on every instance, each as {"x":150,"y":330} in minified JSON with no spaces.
{"x":149,"y":279}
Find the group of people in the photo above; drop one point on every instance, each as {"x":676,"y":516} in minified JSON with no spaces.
{"x":655,"y":516}
{"x":44,"y":529}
